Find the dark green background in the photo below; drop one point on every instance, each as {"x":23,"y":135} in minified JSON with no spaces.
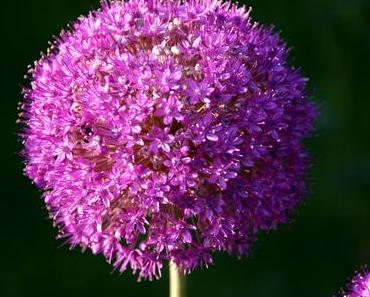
{"x":312,"y":256}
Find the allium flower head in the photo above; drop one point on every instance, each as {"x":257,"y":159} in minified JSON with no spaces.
{"x":166,"y":130}
{"x":359,"y":286}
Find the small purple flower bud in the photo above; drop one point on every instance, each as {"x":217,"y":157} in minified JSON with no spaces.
{"x":359,"y":286}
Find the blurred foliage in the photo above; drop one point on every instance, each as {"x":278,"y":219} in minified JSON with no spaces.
{"x":312,"y":256}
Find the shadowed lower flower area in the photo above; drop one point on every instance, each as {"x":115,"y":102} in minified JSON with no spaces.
{"x":166,"y":130}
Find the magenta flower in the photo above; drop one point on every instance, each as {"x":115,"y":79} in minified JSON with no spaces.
{"x":166,"y":130}
{"x":359,"y":286}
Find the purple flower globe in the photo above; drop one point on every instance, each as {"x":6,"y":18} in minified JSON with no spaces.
{"x":359,"y":286}
{"x":166,"y":130}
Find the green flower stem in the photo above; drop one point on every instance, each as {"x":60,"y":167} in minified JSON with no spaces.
{"x":177,"y":281}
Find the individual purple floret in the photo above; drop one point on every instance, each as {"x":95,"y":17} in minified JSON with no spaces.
{"x":166,"y":130}
{"x":359,"y":286}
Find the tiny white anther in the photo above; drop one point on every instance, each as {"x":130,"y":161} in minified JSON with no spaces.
{"x":175,"y":50}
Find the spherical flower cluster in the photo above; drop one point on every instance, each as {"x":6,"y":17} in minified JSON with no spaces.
{"x":359,"y":285}
{"x":166,"y":130}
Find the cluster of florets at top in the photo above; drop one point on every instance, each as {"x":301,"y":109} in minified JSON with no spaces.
{"x":359,"y":286}
{"x":165,"y":130}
